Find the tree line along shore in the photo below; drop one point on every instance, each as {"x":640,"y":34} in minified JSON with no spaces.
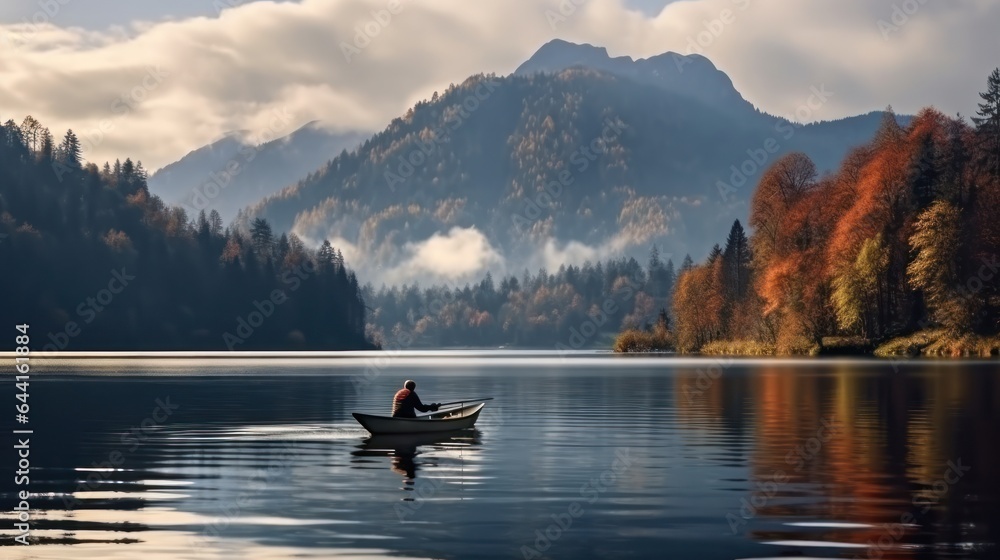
{"x":896,"y":253}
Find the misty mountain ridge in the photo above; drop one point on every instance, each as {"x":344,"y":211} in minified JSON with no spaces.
{"x":514,"y":172}
{"x":238,"y":170}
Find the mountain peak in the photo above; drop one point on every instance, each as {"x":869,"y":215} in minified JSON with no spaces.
{"x":692,"y":75}
{"x":558,"y":55}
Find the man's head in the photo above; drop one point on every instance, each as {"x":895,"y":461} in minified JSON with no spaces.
{"x":410,"y":384}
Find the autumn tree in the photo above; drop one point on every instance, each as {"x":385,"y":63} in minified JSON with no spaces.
{"x":698,"y":303}
{"x":889,"y":132}
{"x":859,"y":290}
{"x":780,"y":186}
{"x":31,"y":130}
{"x":935,"y":269}
{"x":688,"y":299}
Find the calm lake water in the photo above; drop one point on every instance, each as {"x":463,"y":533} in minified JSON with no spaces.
{"x":591,"y":456}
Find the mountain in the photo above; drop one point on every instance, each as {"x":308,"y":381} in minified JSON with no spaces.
{"x":200,"y":179}
{"x":574,"y":156}
{"x":690,"y":75}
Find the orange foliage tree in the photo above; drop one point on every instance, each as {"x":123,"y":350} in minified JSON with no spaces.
{"x":890,"y":243}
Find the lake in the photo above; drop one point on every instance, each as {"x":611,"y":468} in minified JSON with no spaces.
{"x":585,"y":455}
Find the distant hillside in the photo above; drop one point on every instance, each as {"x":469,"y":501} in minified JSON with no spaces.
{"x":512,"y":172}
{"x":200,"y":180}
{"x":107,"y":266}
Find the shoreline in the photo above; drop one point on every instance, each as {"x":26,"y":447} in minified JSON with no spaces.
{"x":932,"y":344}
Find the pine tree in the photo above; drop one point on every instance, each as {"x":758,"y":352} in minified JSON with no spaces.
{"x":670,"y":284}
{"x":714,"y":254}
{"x":282,"y":249}
{"x":687,"y":264}
{"x":737,"y":261}
{"x":988,"y":124}
{"x":70,"y":151}
{"x":663,"y":320}
{"x":657,"y":275}
{"x":215,"y":223}
{"x":127,"y":179}
{"x":202,"y":226}
{"x":925,"y":175}
{"x":262,"y":237}
{"x":46,"y":150}
{"x":325,"y":257}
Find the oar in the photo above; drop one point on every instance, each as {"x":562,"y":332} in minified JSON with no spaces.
{"x":445,"y":412}
{"x":465,"y":401}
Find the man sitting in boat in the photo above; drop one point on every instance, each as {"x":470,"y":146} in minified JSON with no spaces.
{"x":406,"y":400}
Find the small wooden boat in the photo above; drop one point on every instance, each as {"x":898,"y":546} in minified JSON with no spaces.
{"x":443,"y":421}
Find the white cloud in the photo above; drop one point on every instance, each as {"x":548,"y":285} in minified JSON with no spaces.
{"x":552,"y":255}
{"x":462,"y":254}
{"x":236,"y":70}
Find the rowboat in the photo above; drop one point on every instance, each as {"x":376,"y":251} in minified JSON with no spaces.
{"x":443,"y":421}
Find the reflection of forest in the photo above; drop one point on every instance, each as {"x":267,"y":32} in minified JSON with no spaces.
{"x":897,"y":433}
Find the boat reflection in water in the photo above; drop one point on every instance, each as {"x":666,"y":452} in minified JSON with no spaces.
{"x":436,"y":451}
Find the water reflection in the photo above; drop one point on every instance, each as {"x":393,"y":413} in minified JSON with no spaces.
{"x":749,"y":460}
{"x":402,"y":449}
{"x":899,"y":463}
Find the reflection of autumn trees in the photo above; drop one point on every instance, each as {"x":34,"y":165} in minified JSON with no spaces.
{"x":884,"y":246}
{"x":896,"y":433}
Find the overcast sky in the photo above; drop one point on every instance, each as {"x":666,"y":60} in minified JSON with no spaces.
{"x":154,"y":80}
